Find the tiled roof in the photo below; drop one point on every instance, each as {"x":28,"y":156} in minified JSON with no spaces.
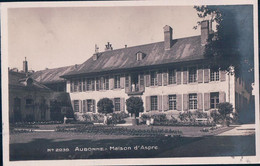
{"x":18,"y":80}
{"x":52,"y":75}
{"x":184,"y":49}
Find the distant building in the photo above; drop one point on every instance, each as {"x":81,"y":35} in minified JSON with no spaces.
{"x":30,"y":100}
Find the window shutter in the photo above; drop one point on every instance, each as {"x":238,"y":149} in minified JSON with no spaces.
{"x":159,"y":102}
{"x":122,"y":81}
{"x":147,"y":79}
{"x":200,"y":75}
{"x":178,"y":77}
{"x":165,"y":82}
{"x":84,"y":106}
{"x":179,"y":102}
{"x":111,"y":82}
{"x":206,"y":75}
{"x":141,"y":84}
{"x":200,"y":102}
{"x":92,"y":84}
{"x":223,"y":75}
{"x":71,"y":86}
{"x":148,"y":103}
{"x":94,"y":106}
{"x":159,"y":76}
{"x":206,"y":101}
{"x":122,"y":104}
{"x":165,"y":103}
{"x":72,"y":103}
{"x":185,"y":102}
{"x":222,"y":97}
{"x":185,"y":76}
{"x":113,"y":101}
{"x":80,"y":106}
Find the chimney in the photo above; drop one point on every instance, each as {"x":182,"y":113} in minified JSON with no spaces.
{"x":205,"y":32}
{"x":96,"y":54}
{"x":167,"y":37}
{"x":25,"y":66}
{"x":108,"y":47}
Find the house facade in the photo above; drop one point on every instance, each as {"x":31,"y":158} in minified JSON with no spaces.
{"x":170,"y":76}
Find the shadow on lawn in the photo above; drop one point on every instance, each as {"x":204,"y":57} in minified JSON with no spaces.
{"x":167,"y":147}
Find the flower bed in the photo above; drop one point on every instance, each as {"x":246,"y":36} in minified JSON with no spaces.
{"x":111,"y":130}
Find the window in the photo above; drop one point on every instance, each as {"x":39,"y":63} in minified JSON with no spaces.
{"x":76,"y":106}
{"x":89,"y":86}
{"x":139,"y":56}
{"x":106,"y":86}
{"x":154,"y":103}
{"x":29,"y":102}
{"x":214,"y":100}
{"x":153,"y":78}
{"x":117,"y":104}
{"x":193,"y":101}
{"x":142,"y":79}
{"x":84,"y":84}
{"x":117,"y":81}
{"x":90,"y":106}
{"x":214,"y":75}
{"x":127,"y":80}
{"x":76,"y":85}
{"x":80,"y":85}
{"x":192,"y":74}
{"x":172,"y":102}
{"x":172,"y":77}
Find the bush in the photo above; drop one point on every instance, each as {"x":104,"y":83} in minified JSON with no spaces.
{"x":134,"y":105}
{"x":186,"y":116}
{"x":159,"y":118}
{"x":225,"y":109}
{"x":105,"y":106}
{"x":117,"y":118}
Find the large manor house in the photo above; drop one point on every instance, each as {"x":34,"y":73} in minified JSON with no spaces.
{"x":170,"y":76}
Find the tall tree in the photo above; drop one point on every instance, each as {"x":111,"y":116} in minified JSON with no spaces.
{"x":232,"y":43}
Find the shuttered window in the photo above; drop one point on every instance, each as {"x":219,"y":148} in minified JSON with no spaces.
{"x":80,"y":85}
{"x":172,"y":102}
{"x":192,"y":74}
{"x":154,"y":103}
{"x":76,"y":85}
{"x":193,"y":102}
{"x":90,"y":106}
{"x":214,"y":75}
{"x":117,"y":104}
{"x":89,"y":84}
{"x":84,"y":84}
{"x":153,"y":78}
{"x":76,"y":105}
{"x":172,"y":76}
{"x":127,"y":81}
{"x":117,"y":82}
{"x":106,"y":83}
{"x":214,"y":100}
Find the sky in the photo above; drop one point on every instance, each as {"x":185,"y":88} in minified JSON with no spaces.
{"x":55,"y":37}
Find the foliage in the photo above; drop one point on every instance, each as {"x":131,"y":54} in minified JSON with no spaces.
{"x":159,"y":118}
{"x":135,"y":105}
{"x":105,"y":106}
{"x":186,"y":116}
{"x":229,"y":45}
{"x":215,"y":115}
{"x":225,"y":109}
{"x":118,"y":118}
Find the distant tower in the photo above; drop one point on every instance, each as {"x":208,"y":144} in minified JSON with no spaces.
{"x":25,"y":66}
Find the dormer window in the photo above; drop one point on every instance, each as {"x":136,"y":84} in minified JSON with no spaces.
{"x":140,"y":56}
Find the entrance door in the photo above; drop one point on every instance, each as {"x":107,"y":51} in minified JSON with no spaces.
{"x":17,"y":110}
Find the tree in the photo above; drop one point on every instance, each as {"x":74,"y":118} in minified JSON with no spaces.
{"x":225,"y":109}
{"x":134,"y":105}
{"x":105,"y":106}
{"x":232,"y":43}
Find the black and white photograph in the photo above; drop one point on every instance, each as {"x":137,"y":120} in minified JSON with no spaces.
{"x":130,"y":83}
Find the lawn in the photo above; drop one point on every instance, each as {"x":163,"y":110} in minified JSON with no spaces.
{"x":83,"y":145}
